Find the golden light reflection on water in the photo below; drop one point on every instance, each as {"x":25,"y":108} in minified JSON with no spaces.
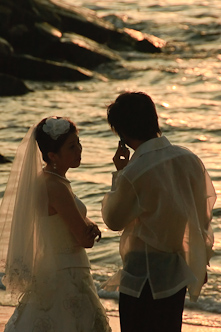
{"x":93,"y":178}
{"x":202,"y":138}
{"x":177,"y":122}
{"x":165,"y":104}
{"x":164,"y":115}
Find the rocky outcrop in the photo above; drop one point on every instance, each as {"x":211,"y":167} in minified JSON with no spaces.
{"x":12,"y":86}
{"x":71,"y":47}
{"x":3,"y":160}
{"x":85,"y":22}
{"x":44,"y":40}
{"x":30,"y":68}
{"x":6,"y":50}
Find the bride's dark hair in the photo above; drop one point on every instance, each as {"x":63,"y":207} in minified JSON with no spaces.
{"x":46,"y":143}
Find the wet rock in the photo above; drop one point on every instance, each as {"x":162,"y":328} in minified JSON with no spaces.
{"x":30,"y":40}
{"x":48,"y":30}
{"x":47,"y":42}
{"x":6,"y":50}
{"x":117,"y":21}
{"x":5,"y":18}
{"x":28,"y":68}
{"x":52,"y":40}
{"x":21,"y":12}
{"x":144,"y":42}
{"x":12,"y":86}
{"x":48,"y":15}
{"x":85,"y":22}
{"x":17,"y":35}
{"x":3,"y":160}
{"x":81,"y":51}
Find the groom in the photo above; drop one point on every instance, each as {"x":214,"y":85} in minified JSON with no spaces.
{"x":162,"y":199}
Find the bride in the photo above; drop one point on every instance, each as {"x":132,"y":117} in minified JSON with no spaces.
{"x":44,"y":230}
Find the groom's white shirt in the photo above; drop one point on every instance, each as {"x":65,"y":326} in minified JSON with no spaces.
{"x":162,"y":200}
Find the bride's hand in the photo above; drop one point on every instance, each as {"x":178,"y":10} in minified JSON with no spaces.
{"x":93,"y":232}
{"x":96,"y":233}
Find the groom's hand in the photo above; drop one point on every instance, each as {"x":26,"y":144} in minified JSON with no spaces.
{"x":121,"y":157}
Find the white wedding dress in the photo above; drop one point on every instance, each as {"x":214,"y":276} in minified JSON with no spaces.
{"x":73,"y":305}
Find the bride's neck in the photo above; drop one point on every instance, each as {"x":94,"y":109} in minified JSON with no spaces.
{"x":56,"y":174}
{"x":49,"y":168}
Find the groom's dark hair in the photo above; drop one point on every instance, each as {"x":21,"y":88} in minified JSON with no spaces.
{"x":134,"y":114}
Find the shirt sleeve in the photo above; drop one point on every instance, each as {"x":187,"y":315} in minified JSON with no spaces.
{"x":120,"y":206}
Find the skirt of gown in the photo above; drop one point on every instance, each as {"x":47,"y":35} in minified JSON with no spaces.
{"x":74,"y":307}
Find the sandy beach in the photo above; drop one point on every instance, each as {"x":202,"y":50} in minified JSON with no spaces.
{"x":114,"y":322}
{"x":5,"y":313}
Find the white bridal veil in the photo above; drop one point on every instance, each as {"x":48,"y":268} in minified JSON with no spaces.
{"x":25,"y":250}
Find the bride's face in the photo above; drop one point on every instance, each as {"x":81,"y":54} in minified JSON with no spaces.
{"x":69,"y":155}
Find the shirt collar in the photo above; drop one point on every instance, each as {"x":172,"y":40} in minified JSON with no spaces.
{"x":151,"y":145}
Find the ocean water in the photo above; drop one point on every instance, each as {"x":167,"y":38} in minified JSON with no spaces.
{"x":184,"y":82}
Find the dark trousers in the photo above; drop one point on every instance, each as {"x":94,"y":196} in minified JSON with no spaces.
{"x":144,"y":314}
